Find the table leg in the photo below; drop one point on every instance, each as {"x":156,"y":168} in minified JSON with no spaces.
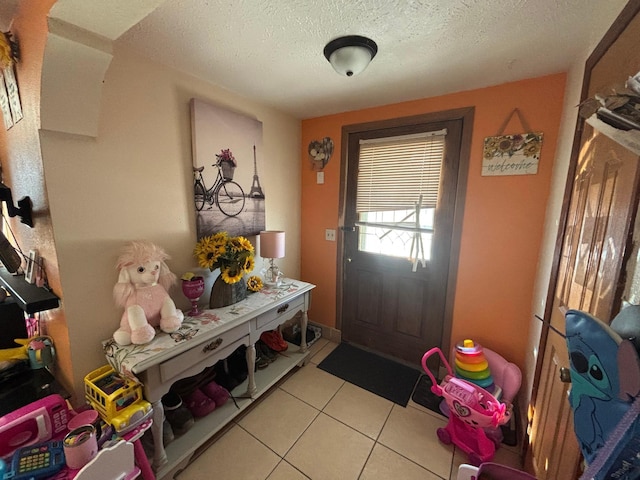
{"x":303,"y":331}
{"x":159,"y":455}
{"x":251,"y":367}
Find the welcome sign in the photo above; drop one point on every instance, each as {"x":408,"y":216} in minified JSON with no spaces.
{"x":511,"y":154}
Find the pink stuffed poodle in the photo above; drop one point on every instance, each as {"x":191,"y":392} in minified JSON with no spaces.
{"x":142,"y":290}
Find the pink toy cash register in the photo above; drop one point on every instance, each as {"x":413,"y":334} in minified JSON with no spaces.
{"x":37,"y":422}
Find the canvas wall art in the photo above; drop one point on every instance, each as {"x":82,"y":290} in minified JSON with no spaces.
{"x":13,"y":94}
{"x":227,"y":162}
{"x":4,"y":105}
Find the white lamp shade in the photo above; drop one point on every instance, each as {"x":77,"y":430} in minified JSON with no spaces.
{"x":271,"y":244}
{"x":350,"y":60}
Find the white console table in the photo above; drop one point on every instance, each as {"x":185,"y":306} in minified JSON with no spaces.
{"x":201,"y":342}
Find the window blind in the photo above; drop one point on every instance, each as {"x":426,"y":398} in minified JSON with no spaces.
{"x":394,"y":171}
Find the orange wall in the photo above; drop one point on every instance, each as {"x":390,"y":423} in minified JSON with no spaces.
{"x":23,"y":171}
{"x":503,"y":216}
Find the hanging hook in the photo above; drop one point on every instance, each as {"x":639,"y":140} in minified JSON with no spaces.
{"x":24,"y":208}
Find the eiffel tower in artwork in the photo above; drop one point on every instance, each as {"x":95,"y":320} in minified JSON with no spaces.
{"x":256,"y":190}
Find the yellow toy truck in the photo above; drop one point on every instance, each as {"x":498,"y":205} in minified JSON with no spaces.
{"x":117,"y":399}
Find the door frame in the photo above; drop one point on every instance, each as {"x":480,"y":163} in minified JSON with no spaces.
{"x":617,"y":28}
{"x":466,"y":114}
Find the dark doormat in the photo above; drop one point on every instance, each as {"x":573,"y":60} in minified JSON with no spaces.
{"x":425,"y":397}
{"x":384,"y":377}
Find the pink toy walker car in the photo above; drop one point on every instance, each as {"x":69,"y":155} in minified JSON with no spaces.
{"x":472,"y":409}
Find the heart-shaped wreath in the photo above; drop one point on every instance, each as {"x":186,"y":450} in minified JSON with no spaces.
{"x":320,"y":152}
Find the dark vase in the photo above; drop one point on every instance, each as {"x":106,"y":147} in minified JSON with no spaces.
{"x":223,"y":294}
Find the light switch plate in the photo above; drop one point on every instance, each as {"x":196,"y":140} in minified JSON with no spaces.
{"x":320,"y":178}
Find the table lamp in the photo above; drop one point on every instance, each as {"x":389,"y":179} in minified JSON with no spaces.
{"x":272,"y":247}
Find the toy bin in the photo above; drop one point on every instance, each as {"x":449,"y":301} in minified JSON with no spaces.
{"x":116,"y":398}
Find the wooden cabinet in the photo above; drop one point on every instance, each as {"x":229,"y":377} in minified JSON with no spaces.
{"x":201,"y":342}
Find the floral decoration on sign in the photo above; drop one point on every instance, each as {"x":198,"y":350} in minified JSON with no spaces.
{"x":234,"y":256}
{"x":320,"y":153}
{"x":225,"y":155}
{"x":527,"y":144}
{"x":512,"y":154}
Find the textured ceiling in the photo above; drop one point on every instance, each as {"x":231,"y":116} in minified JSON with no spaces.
{"x":107,"y":19}
{"x":271,"y":51}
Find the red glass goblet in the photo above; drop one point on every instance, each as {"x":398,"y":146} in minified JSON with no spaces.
{"x":193,"y":290}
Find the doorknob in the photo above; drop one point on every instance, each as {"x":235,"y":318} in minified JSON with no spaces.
{"x":348,"y":259}
{"x":565,"y":375}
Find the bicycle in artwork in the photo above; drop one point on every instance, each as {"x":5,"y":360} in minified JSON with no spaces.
{"x":225,"y":194}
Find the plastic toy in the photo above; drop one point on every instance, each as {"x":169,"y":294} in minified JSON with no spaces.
{"x":36,"y":422}
{"x":507,"y":379}
{"x":491,"y":471}
{"x":41,"y":352}
{"x":605,"y":396}
{"x":118,"y":400}
{"x":142,"y":290}
{"x":114,"y":461}
{"x":472,"y":409}
{"x":37,"y":461}
{"x":16,"y":353}
{"x":471,"y":364}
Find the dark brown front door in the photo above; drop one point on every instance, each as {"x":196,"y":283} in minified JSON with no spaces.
{"x":387,"y":306}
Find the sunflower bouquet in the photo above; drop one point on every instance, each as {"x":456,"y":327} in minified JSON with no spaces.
{"x":232,"y":255}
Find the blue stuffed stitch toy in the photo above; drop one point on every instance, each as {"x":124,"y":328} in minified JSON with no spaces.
{"x":605,"y":397}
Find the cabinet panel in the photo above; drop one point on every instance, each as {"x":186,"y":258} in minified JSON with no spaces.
{"x":282,"y":313}
{"x":220,"y":347}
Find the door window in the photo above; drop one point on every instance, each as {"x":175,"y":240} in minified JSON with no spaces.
{"x":397,"y":193}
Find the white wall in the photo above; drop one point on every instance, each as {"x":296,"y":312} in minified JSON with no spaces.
{"x":554,"y":207}
{"x":134,"y":181}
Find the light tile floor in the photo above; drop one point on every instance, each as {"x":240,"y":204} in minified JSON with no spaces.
{"x":317,"y":426}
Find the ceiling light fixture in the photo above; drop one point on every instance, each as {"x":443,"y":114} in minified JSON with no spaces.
{"x":350,"y":55}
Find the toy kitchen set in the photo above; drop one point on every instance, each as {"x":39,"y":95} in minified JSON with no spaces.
{"x":26,"y":358}
{"x":41,"y":437}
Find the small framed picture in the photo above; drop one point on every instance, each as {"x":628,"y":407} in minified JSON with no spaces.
{"x":13,"y":94}
{"x":33,"y":267}
{"x":4,"y":105}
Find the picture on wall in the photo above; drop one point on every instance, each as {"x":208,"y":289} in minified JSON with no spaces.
{"x":227,"y":162}
{"x":511,"y":154}
{"x":13,"y":94}
{"x":4,"y":105}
